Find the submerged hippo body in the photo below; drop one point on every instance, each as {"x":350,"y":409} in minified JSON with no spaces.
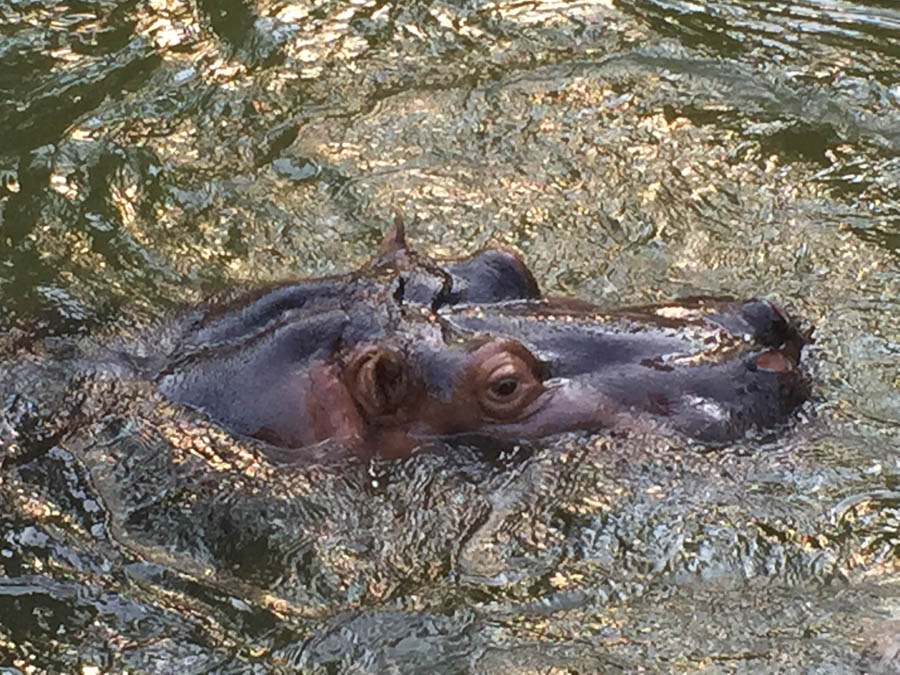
{"x":406,"y":350}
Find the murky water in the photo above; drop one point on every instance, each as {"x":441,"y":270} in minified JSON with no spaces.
{"x":153,"y":154}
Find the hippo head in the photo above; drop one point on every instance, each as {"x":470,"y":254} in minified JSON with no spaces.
{"x":408,"y":349}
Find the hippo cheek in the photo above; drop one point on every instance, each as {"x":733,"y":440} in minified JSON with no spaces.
{"x":331,"y":411}
{"x":302,"y":408}
{"x":563,"y":405}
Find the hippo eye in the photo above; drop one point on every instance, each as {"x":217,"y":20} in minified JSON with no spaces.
{"x":508,"y":379}
{"x":377,"y":379}
{"x":505,"y":388}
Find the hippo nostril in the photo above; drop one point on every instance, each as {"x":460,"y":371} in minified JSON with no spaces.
{"x":768,"y":321}
{"x":774,"y":362}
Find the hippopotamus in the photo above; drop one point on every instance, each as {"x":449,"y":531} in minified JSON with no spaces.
{"x":409,"y":349}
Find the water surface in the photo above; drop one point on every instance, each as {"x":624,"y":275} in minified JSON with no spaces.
{"x":154,"y":154}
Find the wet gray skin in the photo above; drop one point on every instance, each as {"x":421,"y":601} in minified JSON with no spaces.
{"x":408,"y":350}
{"x":158,"y":161}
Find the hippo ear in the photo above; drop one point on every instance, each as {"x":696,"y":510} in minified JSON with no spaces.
{"x":377,"y":379}
{"x":393,"y":252}
{"x":394,"y":240}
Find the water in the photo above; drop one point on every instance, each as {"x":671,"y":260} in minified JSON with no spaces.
{"x":153,"y":155}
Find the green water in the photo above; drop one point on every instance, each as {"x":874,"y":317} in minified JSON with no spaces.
{"x":154,"y":154}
